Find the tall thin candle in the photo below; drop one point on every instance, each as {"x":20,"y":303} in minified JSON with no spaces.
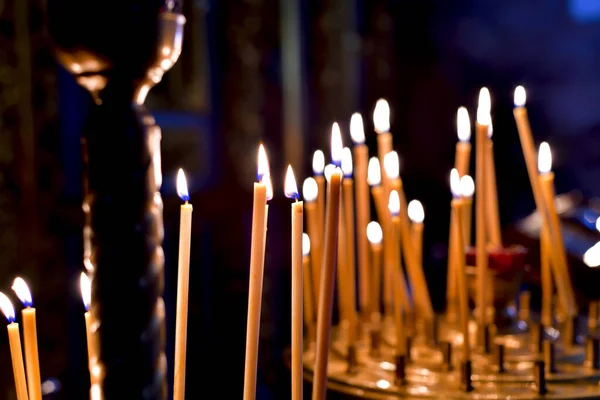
{"x":468,"y":189}
{"x":183,"y":279}
{"x":416,"y":213}
{"x":400,"y":290}
{"x":375,"y":236}
{"x":92,"y":346}
{"x":318,"y":165}
{"x":491,"y":196}
{"x":310,"y":191}
{"x":381,"y":120}
{"x":463,"y":147}
{"x":14,"y":339}
{"x":307,"y":288}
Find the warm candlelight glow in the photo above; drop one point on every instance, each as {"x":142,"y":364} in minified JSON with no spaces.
{"x":455,"y":186}
{"x":357,"y":129}
{"x":520,"y":96}
{"x":310,"y":189}
{"x":290,"y":188}
{"x":391,"y":165}
{"x":336,"y":144}
{"x":490,"y":131}
{"x":381,"y":116}
{"x":591,"y":258}
{"x":416,"y":213}
{"x":263,"y":164}
{"x":305,"y":245}
{"x":394,"y":203}
{"x":347,"y":162}
{"x":544,"y":158}
{"x":86,"y":290}
{"x":463,"y":125}
{"x":374,"y":172}
{"x":329,"y":168}
{"x":318,"y":162}
{"x":374,"y":232}
{"x":182,"y":189}
{"x":467,"y":186}
{"x":22,"y":290}
{"x":267,"y":180}
{"x":7,"y":308}
{"x":484,"y":107}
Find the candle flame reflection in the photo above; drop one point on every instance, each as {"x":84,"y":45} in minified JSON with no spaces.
{"x":290,"y":188}
{"x":318,"y":162}
{"x":381,"y":116}
{"x":262,"y":164}
{"x":310,"y":189}
{"x":391,"y":164}
{"x":544,"y":158}
{"x":455,"y":183}
{"x":7,"y":308}
{"x":463,"y":125}
{"x":182,"y":188}
{"x":336,"y":145}
{"x":520,"y":96}
{"x":357,"y":130}
{"x":374,"y":232}
{"x":394,"y":203}
{"x":347,"y":162}
{"x":305,"y":245}
{"x":374,"y":172}
{"x":85,"y":285}
{"x":467,"y":186}
{"x":22,"y":291}
{"x":416,"y":213}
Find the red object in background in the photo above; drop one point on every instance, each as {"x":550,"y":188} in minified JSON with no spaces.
{"x":502,"y":260}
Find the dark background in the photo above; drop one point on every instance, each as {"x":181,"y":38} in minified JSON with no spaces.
{"x":225,"y":95}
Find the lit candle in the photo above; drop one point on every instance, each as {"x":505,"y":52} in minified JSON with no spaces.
{"x":400,"y":290}
{"x":348,"y":217}
{"x":307,"y":288}
{"x":483,"y":122}
{"x":291,"y":191}
{"x":491,"y":195}
{"x":463,"y":147}
{"x":183,"y":279}
{"x":310,"y":191}
{"x":552,"y":225}
{"x":468,"y":189}
{"x":32,"y":360}
{"x":381,"y":120}
{"x":328,"y":272}
{"x":92,"y":345}
{"x":416,"y":213}
{"x":318,"y":165}
{"x":458,"y":248}
{"x":14,"y":340}
{"x":263,"y":191}
{"x":363,"y":210}
{"x":375,"y":236}
{"x":413,"y":266}
{"x":565,"y":294}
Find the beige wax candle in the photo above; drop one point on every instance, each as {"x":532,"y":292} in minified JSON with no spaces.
{"x":183,"y":278}
{"x":32,"y":361}
{"x":400,"y":289}
{"x":310,"y":191}
{"x":341,"y":270}
{"x":328,"y":272}
{"x":363,"y":211}
{"x":318,"y":165}
{"x":14,"y":339}
{"x":381,"y":121}
{"x":463,"y":147}
{"x":416,"y":213}
{"x":309,"y":304}
{"x":546,"y":277}
{"x":257,"y":265}
{"x":530,"y":154}
{"x":491,"y":196}
{"x":375,"y":236}
{"x":468,"y":189}
{"x":348,"y":217}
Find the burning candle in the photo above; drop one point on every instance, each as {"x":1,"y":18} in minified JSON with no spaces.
{"x":310,"y":192}
{"x":183,"y":279}
{"x":374,"y":180}
{"x":400,"y":290}
{"x":375,"y":236}
{"x":565,"y":293}
{"x":416,"y":213}
{"x":318,"y":165}
{"x":32,"y":360}
{"x":381,"y":120}
{"x":491,"y":196}
{"x":14,"y":339}
{"x":328,"y":271}
{"x":363,"y":209}
{"x":263,"y":191}
{"x":291,"y":192}
{"x":463,"y":147}
{"x":92,"y":346}
{"x":467,"y":190}
{"x":391,"y":170}
{"x":307,"y":288}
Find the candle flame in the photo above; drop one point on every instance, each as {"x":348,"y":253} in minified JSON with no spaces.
{"x":374,"y":232}
{"x":182,"y":188}
{"x":262,"y":164}
{"x":416,"y":213}
{"x":463,"y":125}
{"x":269,"y":184}
{"x":381,"y":116}
{"x":490,"y":131}
{"x":85,"y":285}
{"x":598,"y":224}
{"x":291,"y":189}
{"x":329,"y":169}
{"x":455,"y":183}
{"x":318,"y":162}
{"x":7,"y":308}
{"x":544,"y":158}
{"x":591,"y":257}
{"x":391,"y":164}
{"x":336,"y":145}
{"x":347,"y":162}
{"x":357,"y":130}
{"x":394,"y":203}
{"x":310,"y":189}
{"x":520,"y":96}
{"x":484,"y":107}
{"x":467,"y":186}
{"x":305,"y":245}
{"x":374,"y":172}
{"x":22,"y":290}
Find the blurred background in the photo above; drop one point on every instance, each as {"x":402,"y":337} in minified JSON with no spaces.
{"x":281,"y":72}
